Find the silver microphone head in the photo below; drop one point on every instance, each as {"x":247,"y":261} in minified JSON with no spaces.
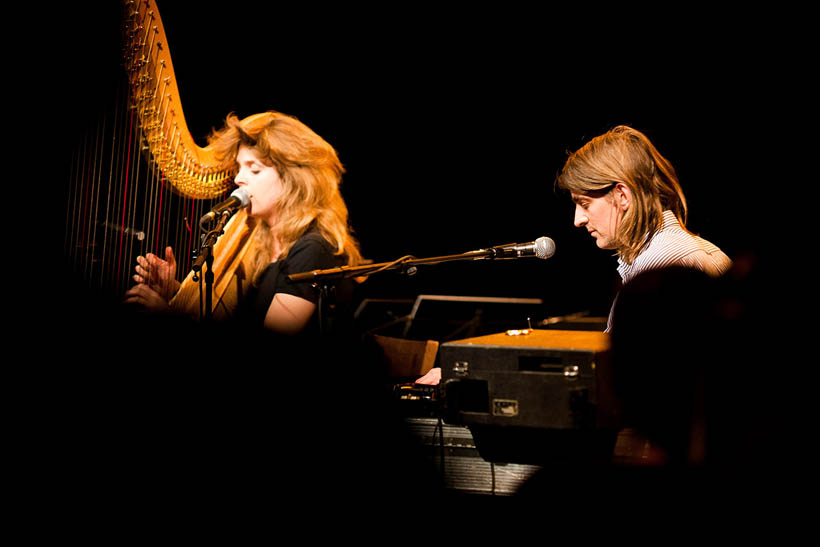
{"x":544,"y":247}
{"x":242,"y":195}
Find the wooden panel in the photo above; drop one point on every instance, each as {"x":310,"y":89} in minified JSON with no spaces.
{"x":535,"y":338}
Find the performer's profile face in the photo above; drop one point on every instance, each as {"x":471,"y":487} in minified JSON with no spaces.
{"x":600,"y":215}
{"x":261,"y":181}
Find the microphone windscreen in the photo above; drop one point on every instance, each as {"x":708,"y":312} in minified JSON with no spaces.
{"x":544,"y":247}
{"x":242,"y":195}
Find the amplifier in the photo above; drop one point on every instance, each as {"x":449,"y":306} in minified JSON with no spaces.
{"x":529,"y":382}
{"x":453,"y":453}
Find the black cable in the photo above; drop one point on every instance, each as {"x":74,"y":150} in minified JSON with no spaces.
{"x":392,"y":264}
{"x":440,"y":427}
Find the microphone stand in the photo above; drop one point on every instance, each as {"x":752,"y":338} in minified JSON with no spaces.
{"x":206,"y":256}
{"x":408,"y":265}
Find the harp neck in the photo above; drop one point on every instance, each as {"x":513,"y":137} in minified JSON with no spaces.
{"x":191,"y":170}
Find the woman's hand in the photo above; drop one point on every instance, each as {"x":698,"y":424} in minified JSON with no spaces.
{"x":148,"y":298}
{"x":157,"y":274}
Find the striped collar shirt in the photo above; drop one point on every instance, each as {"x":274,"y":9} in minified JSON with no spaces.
{"x":673,"y":246}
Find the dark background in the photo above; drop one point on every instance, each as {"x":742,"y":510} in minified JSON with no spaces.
{"x":453,"y":124}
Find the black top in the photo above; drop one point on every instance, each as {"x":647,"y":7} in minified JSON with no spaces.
{"x":310,"y":252}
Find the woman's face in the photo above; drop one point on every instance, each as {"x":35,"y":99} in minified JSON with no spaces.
{"x":261,"y":181}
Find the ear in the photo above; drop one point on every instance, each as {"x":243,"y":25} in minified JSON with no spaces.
{"x":622,"y":196}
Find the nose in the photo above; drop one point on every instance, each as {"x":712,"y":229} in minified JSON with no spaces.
{"x":239,"y":179}
{"x":581,"y":218}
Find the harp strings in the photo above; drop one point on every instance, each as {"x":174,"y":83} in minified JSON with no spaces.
{"x":137,"y":182}
{"x":157,"y":110}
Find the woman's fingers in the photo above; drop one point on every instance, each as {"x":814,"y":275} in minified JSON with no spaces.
{"x":170,"y":258}
{"x":144,"y":295}
{"x":151,"y":266}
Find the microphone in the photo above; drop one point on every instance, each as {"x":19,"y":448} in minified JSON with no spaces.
{"x":239,"y":198}
{"x":543,"y":247}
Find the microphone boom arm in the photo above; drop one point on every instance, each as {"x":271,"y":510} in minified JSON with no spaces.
{"x":405,"y":263}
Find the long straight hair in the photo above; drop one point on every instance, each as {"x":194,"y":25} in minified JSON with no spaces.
{"x":311,"y":175}
{"x":626,"y":155}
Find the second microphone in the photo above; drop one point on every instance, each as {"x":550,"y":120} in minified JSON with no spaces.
{"x":238,"y":199}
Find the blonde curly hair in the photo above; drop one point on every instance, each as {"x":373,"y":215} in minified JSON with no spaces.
{"x":311,"y":175}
